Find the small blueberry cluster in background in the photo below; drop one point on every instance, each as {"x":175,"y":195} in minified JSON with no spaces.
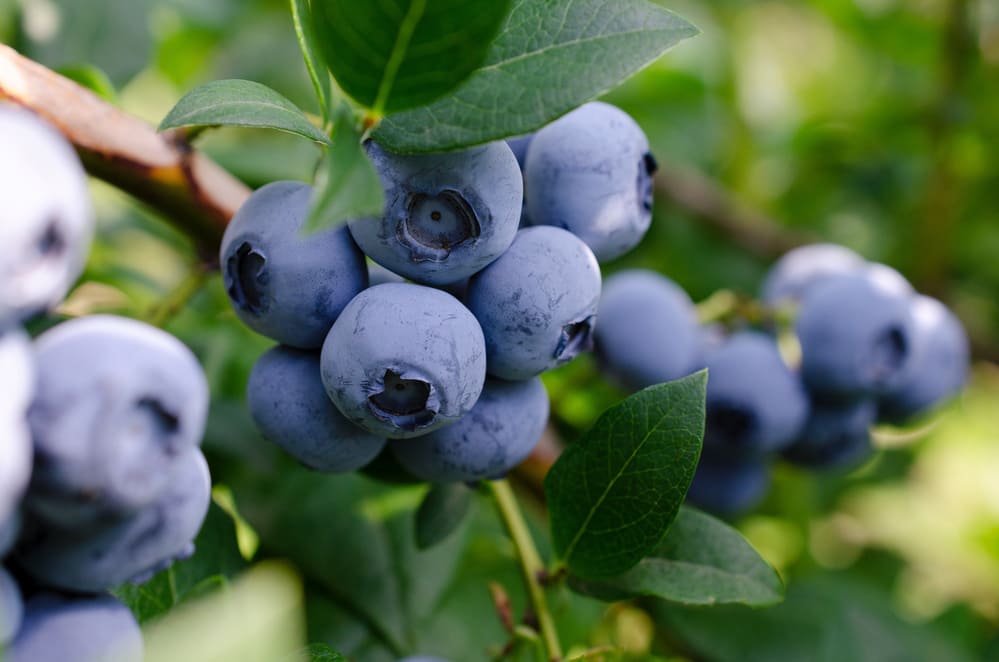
{"x":102,"y":480}
{"x":431,"y":354}
{"x":872,"y":350}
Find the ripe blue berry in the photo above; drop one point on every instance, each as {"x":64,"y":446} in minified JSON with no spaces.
{"x":755,"y":405}
{"x":798,"y":270}
{"x":82,"y":629}
{"x":856,"y":337}
{"x":495,"y":436}
{"x":537,"y":303}
{"x":11,"y":608}
{"x":836,"y":435}
{"x":283,"y":283}
{"x":47,"y":216}
{"x":377,"y":274}
{"x":590,"y":172}
{"x":109,"y":553}
{"x":728,"y":487}
{"x":939,"y":365}
{"x":403,"y":360}
{"x":888,"y":280}
{"x":17,"y":381}
{"x":648,"y":331}
{"x":287,"y":400}
{"x":118,"y":404}
{"x":518,"y":146}
{"x":446,"y":215}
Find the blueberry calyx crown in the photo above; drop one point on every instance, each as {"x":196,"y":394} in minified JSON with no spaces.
{"x":162,"y":423}
{"x":888,"y":354}
{"x":576,"y":337}
{"x":51,"y":243}
{"x":406,"y":403}
{"x":434,"y":224}
{"x":646,"y":169}
{"x":245,"y":276}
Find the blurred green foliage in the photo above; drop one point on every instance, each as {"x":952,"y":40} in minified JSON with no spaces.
{"x":872,"y":123}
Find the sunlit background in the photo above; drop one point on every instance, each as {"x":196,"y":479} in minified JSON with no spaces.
{"x":871,"y":123}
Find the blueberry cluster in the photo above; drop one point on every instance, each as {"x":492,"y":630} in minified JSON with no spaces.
{"x":485,"y":274}
{"x":871,"y":350}
{"x":102,"y":480}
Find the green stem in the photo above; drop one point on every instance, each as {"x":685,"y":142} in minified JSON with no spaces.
{"x":164,"y":311}
{"x":530,"y":563}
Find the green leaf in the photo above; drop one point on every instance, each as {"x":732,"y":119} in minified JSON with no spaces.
{"x":240,"y":103}
{"x":442,"y":511}
{"x":399,"y":54}
{"x":321,"y":653}
{"x":550,"y":57}
{"x":700,"y":561}
{"x":347,"y":186}
{"x":301,"y":15}
{"x":354,"y":537}
{"x":259,"y":617}
{"x":216,"y":559}
{"x":825,"y":618}
{"x":615,"y":492}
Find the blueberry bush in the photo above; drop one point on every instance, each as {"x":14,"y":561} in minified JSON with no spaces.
{"x":447,"y":331}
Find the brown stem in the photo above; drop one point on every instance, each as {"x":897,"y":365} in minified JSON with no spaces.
{"x":161,"y":170}
{"x":708,"y":202}
{"x":942,"y":202}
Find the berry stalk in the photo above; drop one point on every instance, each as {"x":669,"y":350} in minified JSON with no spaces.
{"x":530,"y":563}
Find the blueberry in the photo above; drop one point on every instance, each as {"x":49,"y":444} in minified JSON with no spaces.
{"x":446,"y":215}
{"x":648,"y":331}
{"x":537,"y":303}
{"x":377,"y":274}
{"x":495,"y":436}
{"x":590,"y":172}
{"x":403,"y":360}
{"x":282,"y":282}
{"x":836,"y":435}
{"x":11,"y":608}
{"x":118,"y":404}
{"x":290,"y":407}
{"x":457,"y":289}
{"x":713,"y":336}
{"x":728,"y":487}
{"x":939,"y":365}
{"x":518,"y":145}
{"x":47,"y":216}
{"x":82,"y":629}
{"x":9,"y":531}
{"x":17,"y":383}
{"x":790,"y":278}
{"x":755,"y":404}
{"x":888,"y":280}
{"x":111,"y":552}
{"x":855,"y":336}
